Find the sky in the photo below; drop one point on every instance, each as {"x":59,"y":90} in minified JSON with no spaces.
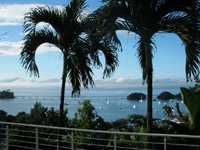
{"x":168,"y":61}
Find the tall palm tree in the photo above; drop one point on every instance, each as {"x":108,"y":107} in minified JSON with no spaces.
{"x":146,"y":18}
{"x":66,"y":30}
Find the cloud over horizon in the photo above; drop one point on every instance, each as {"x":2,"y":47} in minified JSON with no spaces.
{"x":10,"y":80}
{"x":100,"y":84}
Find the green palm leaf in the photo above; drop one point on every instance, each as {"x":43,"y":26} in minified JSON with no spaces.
{"x":68,"y":31}
{"x":31,"y":44}
{"x":147,"y":18}
{"x":47,"y":14}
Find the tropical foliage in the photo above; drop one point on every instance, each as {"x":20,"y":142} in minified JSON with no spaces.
{"x":67,"y":31}
{"x":191,"y":98}
{"x":147,"y":18}
{"x":133,"y":123}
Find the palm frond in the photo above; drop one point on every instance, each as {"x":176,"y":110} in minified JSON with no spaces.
{"x":180,"y":24}
{"x":192,"y":60}
{"x":127,"y":26}
{"x":145,"y":55}
{"x":103,"y":21}
{"x":79,"y":70}
{"x":74,"y":9}
{"x":97,"y":44}
{"x":31,"y":42}
{"x":111,"y":58}
{"x":45,"y":14}
{"x":142,"y":57}
{"x":74,"y":77}
{"x":188,"y":31}
{"x":95,"y":57}
{"x":190,"y":7}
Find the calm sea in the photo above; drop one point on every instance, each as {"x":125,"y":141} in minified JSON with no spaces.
{"x":111,"y":104}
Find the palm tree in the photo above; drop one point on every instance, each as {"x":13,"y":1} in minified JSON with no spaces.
{"x":66,"y":30}
{"x":146,"y":18}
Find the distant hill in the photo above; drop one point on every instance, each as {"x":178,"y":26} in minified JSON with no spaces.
{"x":167,"y":96}
{"x":6,"y":94}
{"x":136,"y":96}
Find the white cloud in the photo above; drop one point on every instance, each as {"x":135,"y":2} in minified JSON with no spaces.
{"x":29,"y":82}
{"x":53,"y":80}
{"x":10,"y":48}
{"x":123,"y":83}
{"x":13,"y":14}
{"x":9,"y":23}
{"x":9,"y":80}
{"x":18,"y":82}
{"x":14,"y":48}
{"x":121,"y":79}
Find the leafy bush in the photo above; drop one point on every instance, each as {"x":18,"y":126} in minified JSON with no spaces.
{"x":86,"y":117}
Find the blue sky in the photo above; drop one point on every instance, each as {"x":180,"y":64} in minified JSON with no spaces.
{"x":169,"y":54}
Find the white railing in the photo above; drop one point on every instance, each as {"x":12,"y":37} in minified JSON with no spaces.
{"x":15,"y":136}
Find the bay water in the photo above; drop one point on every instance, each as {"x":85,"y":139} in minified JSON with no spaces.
{"x":110,"y":104}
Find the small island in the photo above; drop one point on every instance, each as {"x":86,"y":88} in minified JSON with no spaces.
{"x":136,"y":96}
{"x":167,"y":96}
{"x":6,"y":94}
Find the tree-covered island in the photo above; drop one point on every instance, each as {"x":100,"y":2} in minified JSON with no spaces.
{"x":7,"y":94}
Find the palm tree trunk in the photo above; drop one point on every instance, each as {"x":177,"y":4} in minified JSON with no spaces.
{"x":149,"y":108}
{"x":149,"y":71}
{"x":149,"y":103}
{"x":62,"y":96}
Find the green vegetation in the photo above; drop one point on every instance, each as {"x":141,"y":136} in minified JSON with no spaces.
{"x":69,"y":32}
{"x":136,"y":96}
{"x":86,"y":117}
{"x":147,"y":18}
{"x":81,"y":39}
{"x":191,"y":98}
{"x":6,"y":94}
